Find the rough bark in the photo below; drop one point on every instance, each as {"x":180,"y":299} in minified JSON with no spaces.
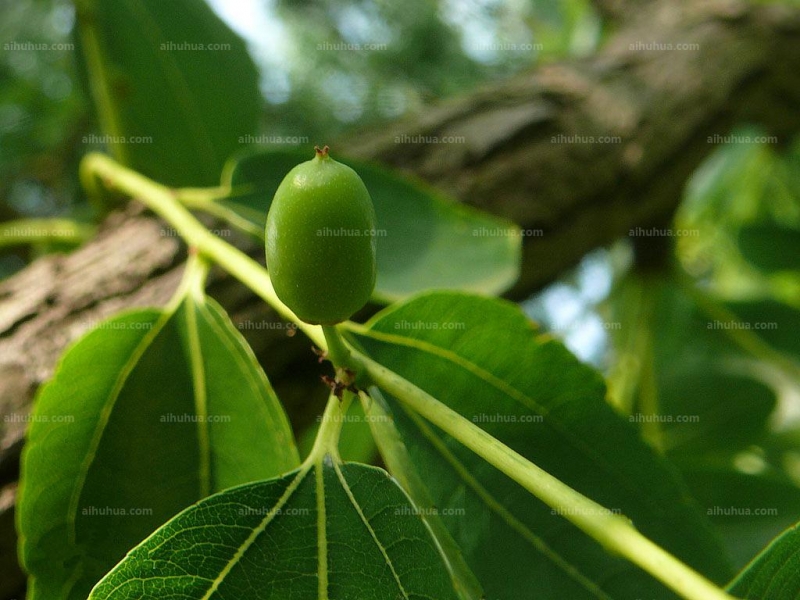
{"x":525,"y":156}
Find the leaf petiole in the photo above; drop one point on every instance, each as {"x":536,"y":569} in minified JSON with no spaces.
{"x":327,"y":440}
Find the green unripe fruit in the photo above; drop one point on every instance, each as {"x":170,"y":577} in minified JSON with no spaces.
{"x":321,"y":241}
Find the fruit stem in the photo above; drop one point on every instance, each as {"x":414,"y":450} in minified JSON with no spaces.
{"x":321,"y":153}
{"x":338,"y":352}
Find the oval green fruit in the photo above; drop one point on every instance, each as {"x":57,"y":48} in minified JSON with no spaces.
{"x":320,"y":241}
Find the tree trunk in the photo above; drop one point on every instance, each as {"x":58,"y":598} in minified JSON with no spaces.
{"x":668,"y":79}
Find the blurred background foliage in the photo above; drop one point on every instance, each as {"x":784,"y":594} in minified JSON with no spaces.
{"x":678,"y":342}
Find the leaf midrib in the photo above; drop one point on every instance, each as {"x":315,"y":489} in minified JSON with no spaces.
{"x":322,"y":535}
{"x":200,"y":394}
{"x":262,"y":526}
{"x":372,"y":533}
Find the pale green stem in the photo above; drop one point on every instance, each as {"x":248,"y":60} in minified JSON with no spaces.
{"x":193,"y":282}
{"x":204,"y":195}
{"x":327,"y":440}
{"x":206,"y":200}
{"x":612,"y":531}
{"x":338,"y":352}
{"x":35,"y":231}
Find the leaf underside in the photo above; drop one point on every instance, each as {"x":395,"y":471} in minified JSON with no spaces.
{"x":147,"y":414}
{"x":331,"y":532}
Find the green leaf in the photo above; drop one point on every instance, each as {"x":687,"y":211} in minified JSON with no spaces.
{"x":707,"y":400}
{"x":709,"y":410}
{"x":327,"y":531}
{"x":424,"y":240}
{"x":748,"y":509}
{"x":714,"y":416}
{"x":775,"y":573}
{"x":146,"y":414}
{"x":174,"y":88}
{"x":774,"y":322}
{"x":482,"y":358}
{"x":402,"y":467}
{"x":770,"y":247}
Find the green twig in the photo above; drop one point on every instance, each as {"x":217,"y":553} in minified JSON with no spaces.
{"x":207,"y":200}
{"x":100,"y":87}
{"x":36,"y":231}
